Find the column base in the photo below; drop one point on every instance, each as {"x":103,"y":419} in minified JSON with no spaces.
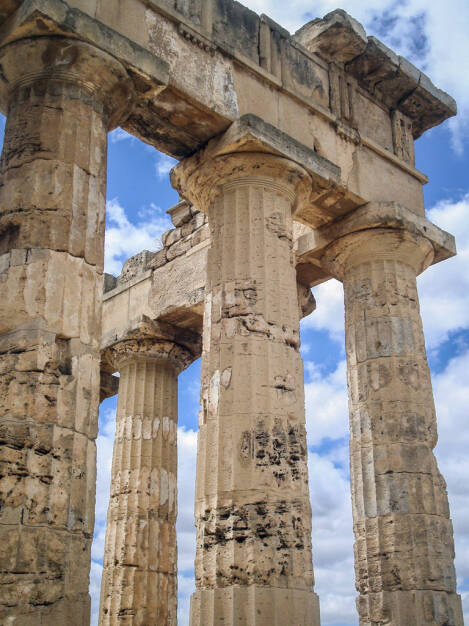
{"x":406,"y":608}
{"x":254,"y":606}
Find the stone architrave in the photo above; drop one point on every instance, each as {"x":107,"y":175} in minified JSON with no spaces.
{"x":140,"y":560}
{"x":404,"y":549}
{"x":253,"y":514}
{"x":63,"y":97}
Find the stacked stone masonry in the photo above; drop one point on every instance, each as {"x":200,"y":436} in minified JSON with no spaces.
{"x":140,"y":567}
{"x":52,"y":233}
{"x":297,"y":165}
{"x":253,"y":515}
{"x":404,"y":551}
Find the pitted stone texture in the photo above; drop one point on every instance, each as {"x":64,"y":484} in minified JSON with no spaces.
{"x":253,"y":514}
{"x":404,"y":550}
{"x":139,"y":585}
{"x":52,"y":195}
{"x":54,"y":291}
{"x":48,"y":403}
{"x":257,"y":605}
{"x":57,"y":93}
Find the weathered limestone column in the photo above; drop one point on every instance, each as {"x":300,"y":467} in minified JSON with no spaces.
{"x":139,"y":585}
{"x":253,"y":515}
{"x":404,"y":548}
{"x":63,"y":97}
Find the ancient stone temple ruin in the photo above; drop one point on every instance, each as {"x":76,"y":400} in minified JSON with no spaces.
{"x":296,"y":166}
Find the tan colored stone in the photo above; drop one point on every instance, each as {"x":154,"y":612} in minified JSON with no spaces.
{"x":51,"y":229}
{"x":140,"y":560}
{"x":404,"y":550}
{"x":253,"y":515}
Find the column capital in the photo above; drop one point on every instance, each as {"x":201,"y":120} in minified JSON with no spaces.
{"x":205,"y":175}
{"x":377,"y":230}
{"x":377,"y":244}
{"x":144,"y":348}
{"x":251,"y":151}
{"x":153,"y":340}
{"x":39,"y":62}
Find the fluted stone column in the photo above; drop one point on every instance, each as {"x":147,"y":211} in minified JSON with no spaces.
{"x":139,"y":585}
{"x":404,"y":548}
{"x":63,"y":97}
{"x":253,"y":516}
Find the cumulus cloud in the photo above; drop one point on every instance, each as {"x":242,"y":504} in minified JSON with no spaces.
{"x":164,"y":165}
{"x":329,"y":314}
{"x":444,"y":288}
{"x":433,"y":35}
{"x":126,"y":237}
{"x":332,"y":540}
{"x":326,"y":404}
{"x":119,"y":134}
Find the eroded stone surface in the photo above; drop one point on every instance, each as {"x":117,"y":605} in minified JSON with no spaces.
{"x":404,"y":550}
{"x":140,"y":565}
{"x":51,"y":229}
{"x":253,"y":514}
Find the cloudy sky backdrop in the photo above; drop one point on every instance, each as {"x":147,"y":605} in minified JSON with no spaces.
{"x":434,"y":35}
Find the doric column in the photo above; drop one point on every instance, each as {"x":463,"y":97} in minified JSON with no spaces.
{"x":253,"y":516}
{"x":404,"y":549}
{"x":139,"y":583}
{"x":63,"y":96}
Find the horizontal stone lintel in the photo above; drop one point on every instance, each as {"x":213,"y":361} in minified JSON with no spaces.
{"x":341,"y":39}
{"x":329,"y":198}
{"x":35,"y":18}
{"x":337,"y":37}
{"x":252,"y":134}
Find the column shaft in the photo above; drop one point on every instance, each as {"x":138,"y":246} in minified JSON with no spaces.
{"x":140,"y":566}
{"x":404,"y":547}
{"x":253,"y":515}
{"x":52,"y":199}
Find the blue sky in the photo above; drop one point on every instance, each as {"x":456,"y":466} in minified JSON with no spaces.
{"x":139,"y":194}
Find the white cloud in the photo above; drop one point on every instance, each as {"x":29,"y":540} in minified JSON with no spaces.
{"x":444,"y":287}
{"x":164,"y":165}
{"x":433,"y":35}
{"x":332,"y":540}
{"x":187,"y":451}
{"x":326,"y":404}
{"x":452,"y":399}
{"x":125,"y":238}
{"x":119,"y":134}
{"x":329,"y":314}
